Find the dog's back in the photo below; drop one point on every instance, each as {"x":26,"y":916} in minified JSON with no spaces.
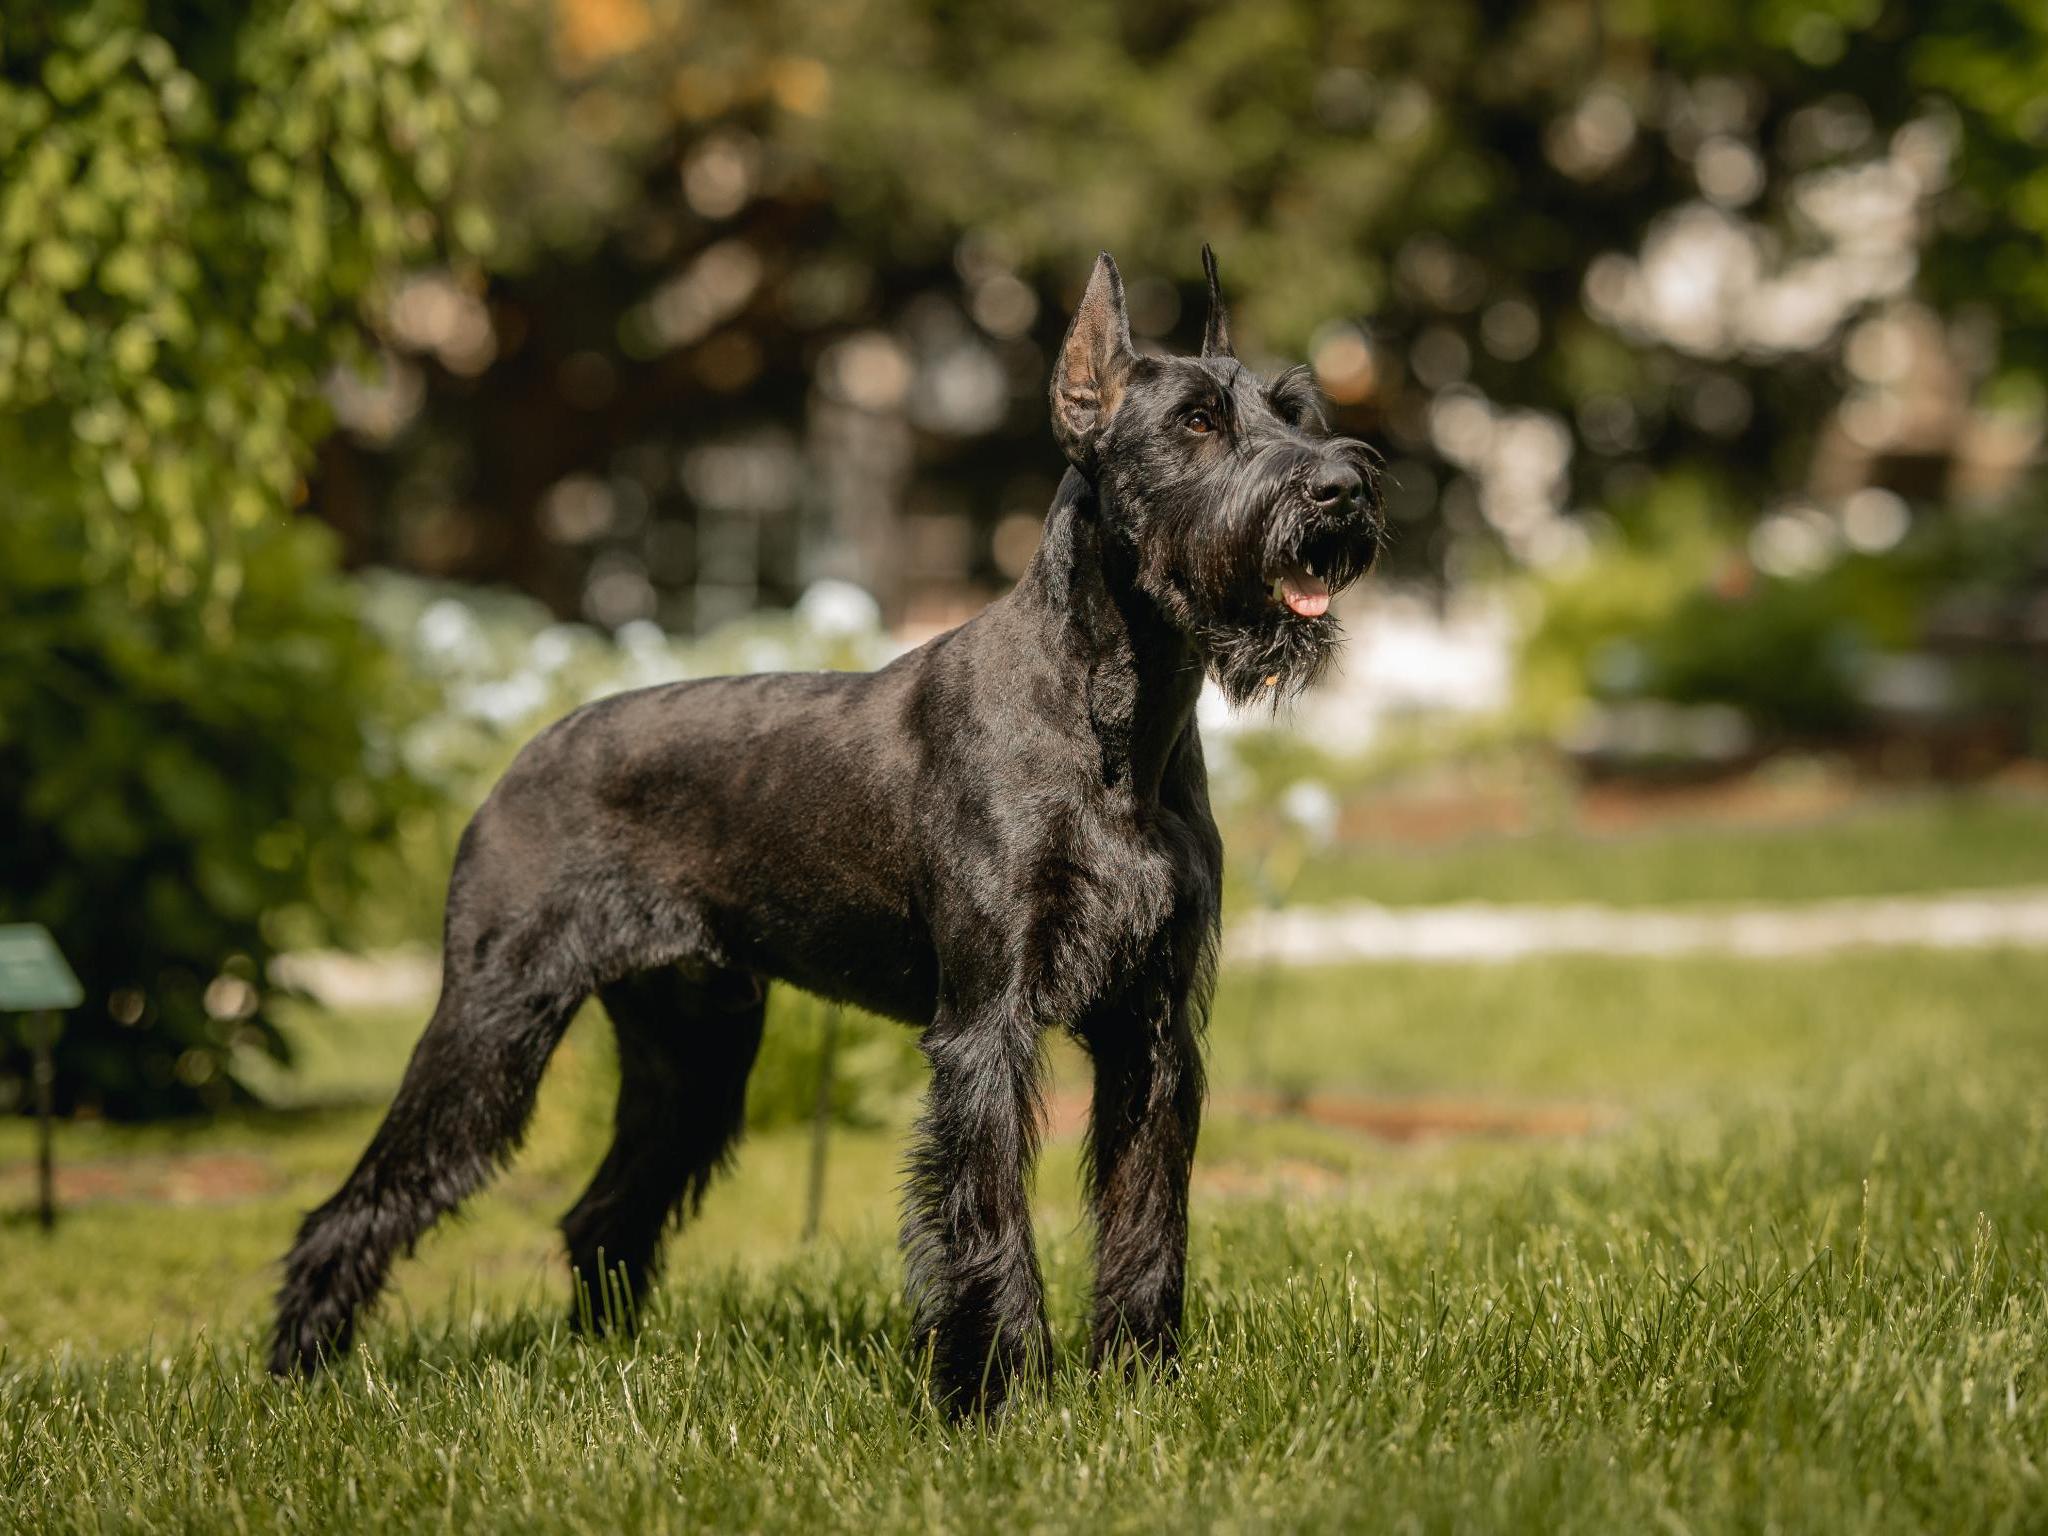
{"x":758,"y":822}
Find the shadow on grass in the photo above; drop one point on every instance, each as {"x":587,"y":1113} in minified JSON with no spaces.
{"x":824,"y":1311}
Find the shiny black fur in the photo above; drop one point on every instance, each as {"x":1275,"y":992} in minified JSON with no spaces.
{"x":1003,"y":832}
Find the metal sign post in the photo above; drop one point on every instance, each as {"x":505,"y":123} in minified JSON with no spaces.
{"x":821,"y":1126}
{"x":34,"y":980}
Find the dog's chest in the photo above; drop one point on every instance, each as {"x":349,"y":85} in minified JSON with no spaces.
{"x":1109,"y":889}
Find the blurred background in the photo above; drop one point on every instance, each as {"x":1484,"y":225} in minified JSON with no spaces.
{"x":379,"y":381}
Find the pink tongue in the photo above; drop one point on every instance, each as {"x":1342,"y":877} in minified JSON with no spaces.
{"x":1306,"y":594}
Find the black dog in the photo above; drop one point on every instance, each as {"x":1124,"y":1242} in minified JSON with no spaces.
{"x":1005,"y":831}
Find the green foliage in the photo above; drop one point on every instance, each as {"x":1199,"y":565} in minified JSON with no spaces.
{"x":1631,"y":585}
{"x":1310,"y":141}
{"x":161,"y":795}
{"x":1986,"y":58}
{"x":1435,"y":200}
{"x":192,"y":200}
{"x":194,"y":725}
{"x":1683,"y":616}
{"x":1789,"y":653}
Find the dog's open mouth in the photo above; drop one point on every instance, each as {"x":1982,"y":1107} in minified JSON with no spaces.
{"x":1303,"y":579}
{"x":1302,"y":591}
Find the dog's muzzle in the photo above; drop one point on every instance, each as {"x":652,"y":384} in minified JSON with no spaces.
{"x":1334,"y":491}
{"x":1331,"y":538}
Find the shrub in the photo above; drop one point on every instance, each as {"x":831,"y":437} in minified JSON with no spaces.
{"x":162,"y":792}
{"x":194,"y":724}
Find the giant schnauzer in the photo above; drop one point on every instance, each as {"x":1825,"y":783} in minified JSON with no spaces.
{"x":1002,"y":832}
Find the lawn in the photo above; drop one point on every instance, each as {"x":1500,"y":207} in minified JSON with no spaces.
{"x":1739,"y":1246}
{"x":1901,"y":843}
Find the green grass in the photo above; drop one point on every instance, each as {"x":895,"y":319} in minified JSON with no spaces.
{"x":1790,"y":1339}
{"x":1898,"y":845}
{"x":1804,"y":1285}
{"x":1797,"y":1280}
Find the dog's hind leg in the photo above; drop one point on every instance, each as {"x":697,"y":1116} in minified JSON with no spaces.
{"x":459,"y":1113}
{"x":686,"y":1044}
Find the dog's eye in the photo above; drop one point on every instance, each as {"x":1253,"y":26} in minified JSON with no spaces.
{"x":1201,"y":423}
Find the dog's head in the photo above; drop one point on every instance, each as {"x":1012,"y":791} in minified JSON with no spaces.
{"x":1245,"y":516}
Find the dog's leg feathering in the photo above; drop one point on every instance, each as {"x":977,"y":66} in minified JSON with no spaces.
{"x":974,"y":1277}
{"x":1147,"y":1113}
{"x":459,"y":1114}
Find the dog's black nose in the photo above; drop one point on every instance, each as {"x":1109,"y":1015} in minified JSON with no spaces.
{"x":1336,"y":488}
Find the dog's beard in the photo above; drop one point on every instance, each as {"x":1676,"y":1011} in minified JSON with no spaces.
{"x":1255,"y":648}
{"x":1270,"y":659}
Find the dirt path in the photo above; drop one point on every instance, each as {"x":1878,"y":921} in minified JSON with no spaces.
{"x":165,"y":1178}
{"x":1482,"y":933}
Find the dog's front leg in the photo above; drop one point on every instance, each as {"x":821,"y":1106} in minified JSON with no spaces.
{"x":967,"y":1228}
{"x":1147,"y":1112}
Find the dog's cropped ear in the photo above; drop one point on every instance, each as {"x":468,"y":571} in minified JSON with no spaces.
{"x":1094,"y":364}
{"x":1215,"y":329}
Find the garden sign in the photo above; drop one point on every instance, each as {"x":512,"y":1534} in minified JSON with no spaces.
{"x":35,"y":980}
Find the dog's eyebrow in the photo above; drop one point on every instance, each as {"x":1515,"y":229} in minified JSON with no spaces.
{"x":1291,"y":380}
{"x":1226,"y":387}
{"x":1209,"y":390}
{"x":1297,"y":383}
{"x":1297,"y":389}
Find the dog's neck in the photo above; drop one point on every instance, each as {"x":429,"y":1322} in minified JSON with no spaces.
{"x":1142,"y":674}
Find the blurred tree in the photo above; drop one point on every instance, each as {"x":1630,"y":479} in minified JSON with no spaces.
{"x":1544,"y":253}
{"x":193,"y":199}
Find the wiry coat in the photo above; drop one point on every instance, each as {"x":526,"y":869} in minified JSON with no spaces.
{"x":1005,"y":831}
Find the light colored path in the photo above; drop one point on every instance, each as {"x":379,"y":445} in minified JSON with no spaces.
{"x":1464,"y":934}
{"x":1482,"y":933}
